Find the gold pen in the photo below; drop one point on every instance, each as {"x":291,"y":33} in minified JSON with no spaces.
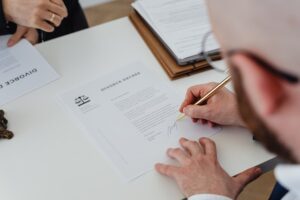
{"x":208,"y":95}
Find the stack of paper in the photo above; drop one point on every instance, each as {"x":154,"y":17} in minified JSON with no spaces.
{"x":22,"y":70}
{"x":181,"y":25}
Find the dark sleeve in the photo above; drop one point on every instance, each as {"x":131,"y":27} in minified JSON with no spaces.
{"x":77,"y":17}
{"x":75,"y":21}
{"x":2,"y":19}
{"x":5,"y":27}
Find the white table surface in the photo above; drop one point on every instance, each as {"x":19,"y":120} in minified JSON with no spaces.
{"x":52,"y":158}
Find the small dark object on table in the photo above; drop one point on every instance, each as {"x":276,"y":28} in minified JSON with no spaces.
{"x":4,"y":133}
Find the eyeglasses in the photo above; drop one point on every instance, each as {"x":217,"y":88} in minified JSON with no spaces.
{"x":224,"y":68}
{"x":210,"y":57}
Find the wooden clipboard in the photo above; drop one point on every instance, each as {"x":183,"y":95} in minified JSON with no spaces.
{"x":168,"y":63}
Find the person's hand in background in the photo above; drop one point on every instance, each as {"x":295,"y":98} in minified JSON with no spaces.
{"x":199,"y":171}
{"x":29,"y":34}
{"x":40,"y":14}
{"x":220,"y":109}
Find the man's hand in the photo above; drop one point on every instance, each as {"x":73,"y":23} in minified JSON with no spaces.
{"x":220,"y":109}
{"x":23,"y":32}
{"x":38,"y":14}
{"x":199,"y":171}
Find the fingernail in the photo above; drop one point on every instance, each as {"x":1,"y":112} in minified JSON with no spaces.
{"x":257,"y":170}
{"x":10,"y":43}
{"x":157,"y":166}
{"x":50,"y":29}
{"x":183,"y":139}
{"x":183,"y":110}
{"x":186,"y":111}
{"x":168,"y":150}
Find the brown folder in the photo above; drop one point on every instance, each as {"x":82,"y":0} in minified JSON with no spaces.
{"x":169,"y":64}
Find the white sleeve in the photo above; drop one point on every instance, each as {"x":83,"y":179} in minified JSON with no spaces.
{"x":208,"y":197}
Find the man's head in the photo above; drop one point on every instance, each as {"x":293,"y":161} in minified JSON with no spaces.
{"x":270,"y":30}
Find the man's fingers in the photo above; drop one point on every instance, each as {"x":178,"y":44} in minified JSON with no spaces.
{"x":189,"y":99}
{"x":58,"y":2}
{"x":195,"y":120}
{"x":56,"y":20}
{"x":178,"y":154}
{"x":194,"y":93}
{"x":211,"y":124}
{"x":32,"y":36}
{"x":15,"y":38}
{"x":203,"y":121}
{"x":209,"y":147}
{"x":57,"y":9}
{"x":43,"y":25}
{"x":166,"y":170}
{"x":248,"y":176}
{"x":198,"y":112}
{"x":192,"y":147}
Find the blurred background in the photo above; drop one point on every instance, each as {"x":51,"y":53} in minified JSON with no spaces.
{"x":87,"y":3}
{"x":101,"y":11}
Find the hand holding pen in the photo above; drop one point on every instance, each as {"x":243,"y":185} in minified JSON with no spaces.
{"x":217,"y":105}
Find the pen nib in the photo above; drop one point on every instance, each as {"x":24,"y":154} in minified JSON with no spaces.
{"x":180,"y":117}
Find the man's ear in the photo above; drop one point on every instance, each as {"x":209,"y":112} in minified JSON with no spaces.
{"x":264,"y":90}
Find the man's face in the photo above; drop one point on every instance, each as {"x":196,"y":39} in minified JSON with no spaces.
{"x":260,"y":130}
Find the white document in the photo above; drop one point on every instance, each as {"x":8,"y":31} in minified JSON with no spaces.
{"x":22,"y":70}
{"x":181,"y":24}
{"x":131,"y":114}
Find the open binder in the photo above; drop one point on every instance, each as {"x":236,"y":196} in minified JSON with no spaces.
{"x":168,"y":63}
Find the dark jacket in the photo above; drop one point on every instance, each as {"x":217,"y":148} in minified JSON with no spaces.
{"x":5,"y":27}
{"x":74,"y":22}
